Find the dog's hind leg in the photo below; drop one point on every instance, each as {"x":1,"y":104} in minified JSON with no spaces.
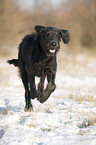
{"x":32,"y":86}
{"x":24,"y":78}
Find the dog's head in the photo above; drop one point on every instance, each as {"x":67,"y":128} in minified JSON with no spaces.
{"x":50,"y":38}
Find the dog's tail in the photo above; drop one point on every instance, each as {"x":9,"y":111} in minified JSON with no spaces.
{"x":15,"y":62}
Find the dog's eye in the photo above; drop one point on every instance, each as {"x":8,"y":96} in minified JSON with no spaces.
{"x":48,"y":35}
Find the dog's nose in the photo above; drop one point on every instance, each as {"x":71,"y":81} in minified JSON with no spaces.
{"x":54,"y":44}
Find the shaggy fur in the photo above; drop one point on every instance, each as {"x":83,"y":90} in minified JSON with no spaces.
{"x":37,"y":57}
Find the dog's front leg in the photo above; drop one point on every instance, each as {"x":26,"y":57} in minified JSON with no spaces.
{"x":49,"y":89}
{"x":41,"y":85}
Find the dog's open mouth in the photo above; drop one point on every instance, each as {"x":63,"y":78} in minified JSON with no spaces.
{"x":52,"y":50}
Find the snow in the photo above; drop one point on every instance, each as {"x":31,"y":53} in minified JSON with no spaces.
{"x":68,"y":117}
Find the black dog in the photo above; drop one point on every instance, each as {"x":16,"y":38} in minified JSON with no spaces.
{"x":37,"y":57}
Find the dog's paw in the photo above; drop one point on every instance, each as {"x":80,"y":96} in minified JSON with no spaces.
{"x":44,"y":96}
{"x":41,"y":98}
{"x":51,"y":87}
{"x":46,"y":93}
{"x":29,"y":109}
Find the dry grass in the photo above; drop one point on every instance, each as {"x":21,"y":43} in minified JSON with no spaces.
{"x":36,"y":125}
{"x":15,"y":24}
{"x":32,"y":125}
{"x":46,"y":129}
{"x":90,"y":121}
{"x":5,"y":110}
{"x":83,"y":98}
{"x":2,"y":131}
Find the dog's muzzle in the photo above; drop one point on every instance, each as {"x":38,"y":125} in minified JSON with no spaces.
{"x":53,"y":46}
{"x":52,"y":51}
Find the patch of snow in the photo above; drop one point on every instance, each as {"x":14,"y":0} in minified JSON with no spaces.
{"x":60,"y":120}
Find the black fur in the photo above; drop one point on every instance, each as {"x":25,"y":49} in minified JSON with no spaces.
{"x":14,"y":62}
{"x":37,"y":57}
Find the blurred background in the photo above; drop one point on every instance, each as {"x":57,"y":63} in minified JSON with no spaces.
{"x":18,"y":18}
{"x":71,"y":109}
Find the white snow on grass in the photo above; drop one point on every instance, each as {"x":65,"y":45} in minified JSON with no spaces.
{"x":68,"y":117}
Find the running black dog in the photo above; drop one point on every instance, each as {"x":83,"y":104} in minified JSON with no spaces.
{"x":37,"y":57}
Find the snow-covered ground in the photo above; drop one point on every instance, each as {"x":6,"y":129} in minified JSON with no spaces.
{"x":68,"y":117}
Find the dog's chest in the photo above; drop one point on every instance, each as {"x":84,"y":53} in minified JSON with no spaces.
{"x":39,"y":69}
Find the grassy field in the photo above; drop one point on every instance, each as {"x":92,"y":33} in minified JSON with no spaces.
{"x":67,"y":117}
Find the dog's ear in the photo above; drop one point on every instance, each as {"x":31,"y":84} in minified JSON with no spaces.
{"x":39,"y":28}
{"x":65,"y":36}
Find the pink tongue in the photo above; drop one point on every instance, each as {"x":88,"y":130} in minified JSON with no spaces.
{"x":52,"y":51}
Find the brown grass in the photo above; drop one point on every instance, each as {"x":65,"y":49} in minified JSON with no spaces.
{"x":75,"y":16}
{"x":83,"y":98}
